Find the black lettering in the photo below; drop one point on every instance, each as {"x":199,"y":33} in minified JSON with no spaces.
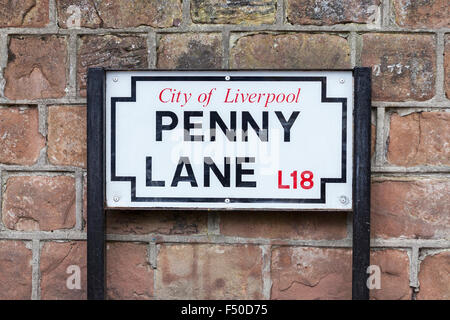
{"x":160,"y":127}
{"x":223,"y":178}
{"x":247,"y":119}
{"x":188,"y":126}
{"x":184,"y":161}
{"x":287,"y":125}
{"x":148,"y":177}
{"x":216,"y":119}
{"x":240,"y":172}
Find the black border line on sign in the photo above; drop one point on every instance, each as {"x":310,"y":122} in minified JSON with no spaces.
{"x":323,"y":181}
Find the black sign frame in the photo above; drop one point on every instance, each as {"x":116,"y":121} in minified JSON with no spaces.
{"x":96,"y":220}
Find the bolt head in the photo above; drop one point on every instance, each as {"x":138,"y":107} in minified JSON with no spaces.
{"x":227,"y":200}
{"x":116,"y":199}
{"x":115,"y":79}
{"x":343,"y":199}
{"x":227,"y":78}
{"x":342,"y":81}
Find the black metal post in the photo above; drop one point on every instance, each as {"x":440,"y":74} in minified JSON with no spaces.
{"x":361,"y":183}
{"x":96,"y":264}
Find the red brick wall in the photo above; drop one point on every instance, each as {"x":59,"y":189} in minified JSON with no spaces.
{"x":173,"y":255}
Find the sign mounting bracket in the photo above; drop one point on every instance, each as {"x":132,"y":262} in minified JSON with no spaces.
{"x":96,"y":150}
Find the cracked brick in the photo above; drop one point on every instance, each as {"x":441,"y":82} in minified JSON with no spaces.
{"x":209,"y":272}
{"x":36,"y":67}
{"x":413,"y":209}
{"x":20,"y":139}
{"x":419,"y":139}
{"x":24,"y":13}
{"x":39,"y":203}
{"x":119,"y":13}
{"x":56,"y":258}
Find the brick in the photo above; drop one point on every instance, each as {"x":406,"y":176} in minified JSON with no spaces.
{"x":209,"y":272}
{"x":169,"y":223}
{"x":119,"y":13}
{"x":190,"y":51}
{"x":284,"y":225}
{"x":404,"y":65}
{"x":311,"y":273}
{"x":39,"y":203}
{"x":420,"y":139}
{"x":19,"y":136}
{"x":24,"y":13}
{"x":36,"y":67}
{"x":290,"y":51}
{"x":67,"y":135}
{"x":422,"y":14}
{"x":415,"y":209}
{"x":394,"y":266}
{"x":447,"y":66}
{"x":15,"y":270}
{"x":322,"y":273}
{"x":434,"y":277}
{"x":325,"y":12}
{"x":129,"y":274}
{"x":234,"y":12}
{"x":110,"y":51}
{"x":61,"y":262}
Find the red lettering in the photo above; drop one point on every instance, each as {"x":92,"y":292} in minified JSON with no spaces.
{"x":280,"y":181}
{"x":161,"y":93}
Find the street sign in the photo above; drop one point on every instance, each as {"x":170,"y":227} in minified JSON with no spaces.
{"x":229,"y":139}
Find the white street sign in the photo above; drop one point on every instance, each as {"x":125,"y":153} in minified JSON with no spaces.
{"x":229,"y":139}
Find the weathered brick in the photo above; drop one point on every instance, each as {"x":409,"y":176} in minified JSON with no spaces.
{"x":325,"y":12}
{"x":110,"y":51}
{"x":285,"y":51}
{"x":119,"y":13}
{"x":411,"y":209}
{"x":420,"y":139}
{"x":209,"y":272}
{"x":129,"y":274}
{"x":284,"y":225}
{"x":67,"y":135}
{"x":15,"y":270}
{"x":311,"y":273}
{"x":36,"y":67}
{"x":394,"y":266}
{"x":233,"y":12}
{"x":20,"y":139}
{"x":404,"y":65}
{"x":434,"y":277}
{"x":171,"y":223}
{"x":322,"y":273}
{"x":39,"y":203}
{"x":447,"y":66}
{"x":78,"y":13}
{"x":56,"y":258}
{"x":24,"y":13}
{"x":422,"y":14}
{"x":190,"y":51}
